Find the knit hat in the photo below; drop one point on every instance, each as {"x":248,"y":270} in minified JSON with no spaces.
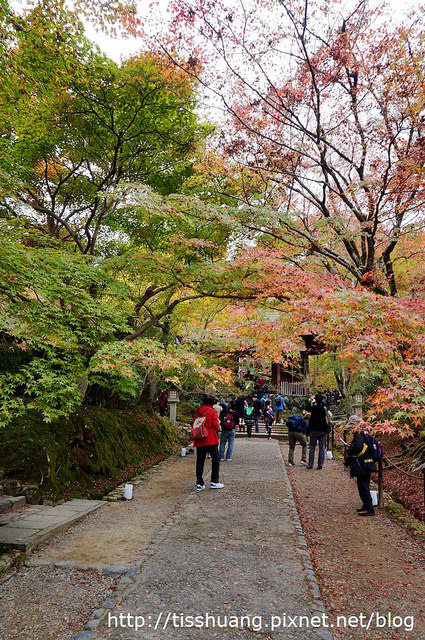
{"x":355,"y":423}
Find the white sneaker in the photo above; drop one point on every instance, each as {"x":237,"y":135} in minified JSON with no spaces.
{"x":216,"y":485}
{"x":200,"y":487}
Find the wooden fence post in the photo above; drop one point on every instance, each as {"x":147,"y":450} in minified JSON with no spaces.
{"x":423,"y":471}
{"x":380,"y":484}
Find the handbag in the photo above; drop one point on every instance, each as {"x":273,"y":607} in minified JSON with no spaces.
{"x":199,"y":430}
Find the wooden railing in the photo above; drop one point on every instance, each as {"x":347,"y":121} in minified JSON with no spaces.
{"x":294,"y":388}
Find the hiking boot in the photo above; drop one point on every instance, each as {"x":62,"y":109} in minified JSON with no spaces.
{"x":309,"y":466}
{"x":303,"y":462}
{"x":216,"y":485}
{"x":366,"y":513}
{"x":200,"y":487}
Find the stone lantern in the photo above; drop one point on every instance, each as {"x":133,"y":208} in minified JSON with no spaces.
{"x":358,"y":404}
{"x":173,"y":399}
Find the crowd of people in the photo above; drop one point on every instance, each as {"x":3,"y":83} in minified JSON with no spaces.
{"x":309,"y":429}
{"x":244,"y":414}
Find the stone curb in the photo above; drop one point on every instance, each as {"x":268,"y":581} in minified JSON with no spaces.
{"x":10,"y":503}
{"x":312,"y":585}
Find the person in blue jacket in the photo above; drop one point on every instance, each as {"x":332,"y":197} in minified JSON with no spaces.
{"x":279,"y":405}
{"x":297,"y":432}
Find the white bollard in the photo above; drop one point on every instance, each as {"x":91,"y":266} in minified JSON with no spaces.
{"x":374,"y":496}
{"x":329,"y":455}
{"x":128,"y":491}
{"x":183,"y":451}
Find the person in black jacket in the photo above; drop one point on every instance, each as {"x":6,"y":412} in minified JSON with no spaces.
{"x":359,"y":459}
{"x":317,"y":429}
{"x":258,"y":411}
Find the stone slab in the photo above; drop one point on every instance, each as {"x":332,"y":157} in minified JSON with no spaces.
{"x":9,"y":503}
{"x":39,"y":524}
{"x":30,"y":531}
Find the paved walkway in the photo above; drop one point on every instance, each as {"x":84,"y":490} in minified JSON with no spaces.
{"x":40,"y":524}
{"x":228,"y":562}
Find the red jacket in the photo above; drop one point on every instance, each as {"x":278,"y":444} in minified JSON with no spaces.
{"x":212,"y":424}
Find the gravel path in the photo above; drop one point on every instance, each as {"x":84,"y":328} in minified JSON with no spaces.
{"x":229,"y":562}
{"x":68,"y":578}
{"x":235,"y":552}
{"x":44,"y":603}
{"x":118,"y":533}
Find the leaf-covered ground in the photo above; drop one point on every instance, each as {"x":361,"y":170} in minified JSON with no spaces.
{"x":364,"y":565}
{"x":405,"y":483}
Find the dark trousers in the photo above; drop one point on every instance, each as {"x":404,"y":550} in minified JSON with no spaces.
{"x":363,"y":486}
{"x":201,"y":454}
{"x":249,"y":426}
{"x":317,"y":437}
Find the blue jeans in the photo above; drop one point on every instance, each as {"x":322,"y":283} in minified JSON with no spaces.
{"x":317,"y":437}
{"x":227,"y":435}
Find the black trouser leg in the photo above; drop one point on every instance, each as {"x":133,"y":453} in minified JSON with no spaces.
{"x":215,"y":463}
{"x":363,"y":485}
{"x":249,"y":429}
{"x":201,"y":453}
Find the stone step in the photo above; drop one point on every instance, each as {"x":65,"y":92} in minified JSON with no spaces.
{"x":276,"y":428}
{"x":30,"y":530}
{"x":10,"y":503}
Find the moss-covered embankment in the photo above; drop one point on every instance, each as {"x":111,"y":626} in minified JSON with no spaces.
{"x":87,"y":454}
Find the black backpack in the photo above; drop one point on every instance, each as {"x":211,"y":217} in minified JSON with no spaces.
{"x":375,"y":447}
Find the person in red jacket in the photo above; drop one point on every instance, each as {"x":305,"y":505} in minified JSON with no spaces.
{"x":208,"y":445}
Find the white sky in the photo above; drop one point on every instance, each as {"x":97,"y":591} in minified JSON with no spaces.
{"x":117,"y":48}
